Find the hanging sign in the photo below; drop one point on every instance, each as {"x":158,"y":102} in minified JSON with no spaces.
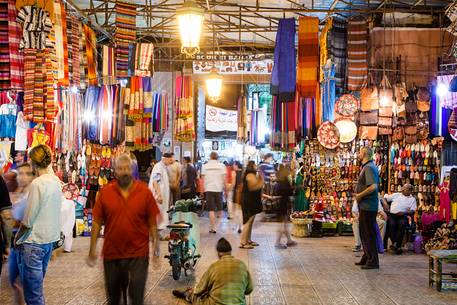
{"x":218,"y":119}
{"x":234,"y":67}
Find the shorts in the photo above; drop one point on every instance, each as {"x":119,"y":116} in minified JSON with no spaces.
{"x":214,"y":201}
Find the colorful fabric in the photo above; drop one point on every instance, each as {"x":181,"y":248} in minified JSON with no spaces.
{"x":337,"y":44}
{"x":69,"y":121}
{"x":284,"y":118}
{"x":36,"y":26}
{"x":73,"y":31}
{"x":283,"y":76}
{"x":308,"y":56}
{"x":328,"y":92}
{"x":16,"y":56}
{"x":184,"y":105}
{"x":47,"y":5}
{"x":241,"y":134}
{"x":323,"y":46}
{"x":125,"y":34}
{"x":4,"y":47}
{"x":144,"y":59}
{"x":108,"y":68}
{"x":160,"y":112}
{"x":91,"y":59}
{"x":61,"y":43}
{"x":357,"y":54}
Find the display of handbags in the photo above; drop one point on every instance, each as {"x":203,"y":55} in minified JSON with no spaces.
{"x":368,"y":118}
{"x":369,"y":99}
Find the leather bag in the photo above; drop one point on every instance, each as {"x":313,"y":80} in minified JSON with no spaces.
{"x":385,"y":130}
{"x":368,"y":118}
{"x":385,"y":121}
{"x":368,"y":132}
{"x":411,"y":130}
{"x":411,"y":139}
{"x":398,"y":134}
{"x":411,"y":105}
{"x":369,"y":99}
{"x":386,"y":111}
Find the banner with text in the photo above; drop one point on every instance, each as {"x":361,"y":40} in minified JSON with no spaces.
{"x":218,"y":119}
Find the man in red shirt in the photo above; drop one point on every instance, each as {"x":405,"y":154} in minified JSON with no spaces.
{"x":129,"y":212}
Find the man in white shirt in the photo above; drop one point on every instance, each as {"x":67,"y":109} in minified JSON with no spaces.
{"x":380,"y":219}
{"x":403,"y":205}
{"x":159,"y":184}
{"x":213,"y":174}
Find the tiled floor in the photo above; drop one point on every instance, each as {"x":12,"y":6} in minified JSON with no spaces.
{"x":317,"y":271}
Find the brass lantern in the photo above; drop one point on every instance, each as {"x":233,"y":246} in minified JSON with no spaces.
{"x":190,"y":21}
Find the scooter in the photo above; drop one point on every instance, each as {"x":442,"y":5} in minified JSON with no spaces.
{"x":182,"y":253}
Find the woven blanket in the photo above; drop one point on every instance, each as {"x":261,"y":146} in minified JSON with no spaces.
{"x":125,"y":33}
{"x":337,"y":43}
{"x":308,"y":56}
{"x":16,"y":56}
{"x":283,"y":76}
{"x":357,"y":54}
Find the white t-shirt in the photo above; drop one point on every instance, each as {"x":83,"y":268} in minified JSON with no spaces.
{"x":401,"y":203}
{"x":214,"y":176}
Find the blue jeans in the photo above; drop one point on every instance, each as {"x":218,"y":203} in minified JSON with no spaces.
{"x":13,"y":266}
{"x":33,"y":262}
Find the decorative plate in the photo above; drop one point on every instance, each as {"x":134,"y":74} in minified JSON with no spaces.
{"x":347,"y":130}
{"x":70,"y":191}
{"x":328,"y":135}
{"x":347,"y":105}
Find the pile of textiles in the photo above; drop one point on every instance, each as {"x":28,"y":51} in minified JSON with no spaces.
{"x":184,"y":105}
{"x":138,"y":104}
{"x":125,"y":34}
{"x":141,"y":59}
{"x":357,"y":54}
{"x":104,"y":115}
{"x":160,"y":112}
{"x":337,"y":50}
{"x":68,"y":133}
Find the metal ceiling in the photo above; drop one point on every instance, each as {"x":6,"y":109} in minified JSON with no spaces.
{"x":248,"y":25}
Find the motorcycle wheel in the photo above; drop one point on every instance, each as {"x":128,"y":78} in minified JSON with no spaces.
{"x":176,"y":268}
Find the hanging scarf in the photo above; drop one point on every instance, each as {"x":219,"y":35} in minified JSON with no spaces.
{"x":60,"y":28}
{"x":337,"y":42}
{"x":308,"y":56}
{"x":108,"y":69}
{"x":323,"y":47}
{"x":91,"y":42}
{"x":74,"y":61}
{"x":283,"y":76}
{"x":184,"y":127}
{"x":328,"y":92}
{"x":125,"y":33}
{"x":357,"y":54}
{"x":242,"y":113}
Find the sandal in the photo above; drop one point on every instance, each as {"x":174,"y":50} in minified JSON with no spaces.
{"x":253,"y":243}
{"x":246,"y":246}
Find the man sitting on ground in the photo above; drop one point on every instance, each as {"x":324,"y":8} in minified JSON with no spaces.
{"x":226,"y":282}
{"x":403,"y":205}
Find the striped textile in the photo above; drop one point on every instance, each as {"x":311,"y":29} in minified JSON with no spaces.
{"x":16,"y":56}
{"x":4,"y":47}
{"x":125,"y":33}
{"x":144,"y":59}
{"x":284,"y":125}
{"x":60,"y":28}
{"x":91,"y":42}
{"x":308,"y":56}
{"x":357,"y":54}
{"x":337,"y":45}
{"x":38,"y":104}
{"x":75,"y":38}
{"x":108,"y":68}
{"x":51,"y":104}
{"x":283,"y":76}
{"x":83,"y":57}
{"x":29,"y":81}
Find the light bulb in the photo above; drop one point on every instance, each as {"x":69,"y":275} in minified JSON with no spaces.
{"x":442,"y":89}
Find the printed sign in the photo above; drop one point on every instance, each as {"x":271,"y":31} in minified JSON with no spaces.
{"x":234,"y":67}
{"x":218,"y":119}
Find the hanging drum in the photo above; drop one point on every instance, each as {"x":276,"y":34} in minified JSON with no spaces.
{"x":347,"y":130}
{"x":328,"y":135}
{"x":347,"y":105}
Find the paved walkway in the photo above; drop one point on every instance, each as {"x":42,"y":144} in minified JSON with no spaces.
{"x":317,"y":271}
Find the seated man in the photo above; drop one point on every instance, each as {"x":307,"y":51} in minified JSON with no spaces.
{"x":226,"y":282}
{"x":380,"y":219}
{"x":403,"y":205}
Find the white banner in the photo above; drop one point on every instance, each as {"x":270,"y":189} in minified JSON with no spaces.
{"x":218,"y":119}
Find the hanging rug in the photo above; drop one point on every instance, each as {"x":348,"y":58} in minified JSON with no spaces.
{"x":347,"y":105}
{"x":328,"y":135}
{"x":347,"y":130}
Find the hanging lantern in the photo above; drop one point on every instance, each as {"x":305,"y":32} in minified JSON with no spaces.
{"x":214,"y":85}
{"x":190,"y":22}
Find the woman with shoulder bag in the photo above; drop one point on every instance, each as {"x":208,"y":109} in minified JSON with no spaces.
{"x":251,"y":203}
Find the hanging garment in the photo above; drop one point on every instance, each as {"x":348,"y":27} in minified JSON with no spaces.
{"x":74,"y":37}
{"x":47,"y":5}
{"x":91,"y":58}
{"x":16,"y":57}
{"x":91,"y":113}
{"x":328,"y":92}
{"x":61,"y":43}
{"x":241,"y":134}
{"x":283,"y":76}
{"x":22,"y":126}
{"x":445,"y":202}
{"x":357,"y":54}
{"x":324,"y":47}
{"x":337,"y":44}
{"x":283,"y":124}
{"x":83,"y":57}
{"x":258,"y":127}
{"x":36,"y":26}
{"x":160,"y":112}
{"x":108,"y":69}
{"x":308,"y":56}
{"x":5,"y":82}
{"x":8,"y":113}
{"x":144,"y":59}
{"x":69,"y":122}
{"x":125,"y":33}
